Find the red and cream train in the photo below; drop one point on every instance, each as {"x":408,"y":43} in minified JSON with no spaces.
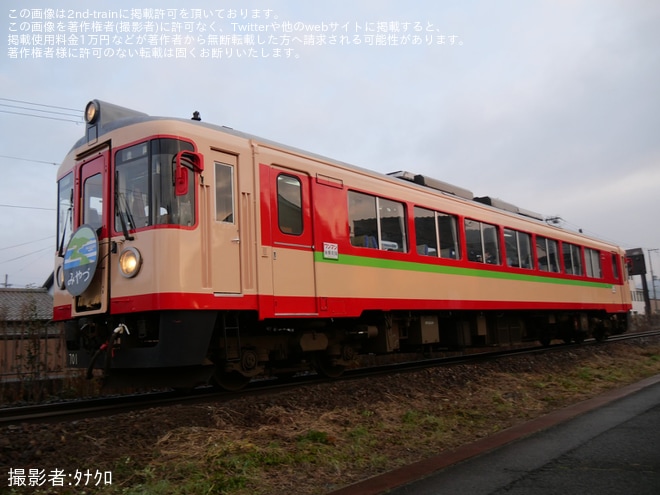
{"x":194,"y":252}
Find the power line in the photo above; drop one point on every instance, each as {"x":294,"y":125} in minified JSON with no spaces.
{"x":28,"y":207}
{"x":26,"y":254}
{"x":28,"y":160}
{"x":29,"y":242}
{"x":42,"y":117}
{"x":38,"y":110}
{"x":40,"y":107}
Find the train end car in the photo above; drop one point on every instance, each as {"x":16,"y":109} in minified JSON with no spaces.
{"x":189,"y":252}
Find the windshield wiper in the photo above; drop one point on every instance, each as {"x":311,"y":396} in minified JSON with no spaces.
{"x":60,"y":251}
{"x":123,"y":211}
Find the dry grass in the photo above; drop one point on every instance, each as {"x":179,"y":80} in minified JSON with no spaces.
{"x":318,"y":438}
{"x":289,"y":447}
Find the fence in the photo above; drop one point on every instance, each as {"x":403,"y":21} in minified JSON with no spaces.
{"x":30,"y":350}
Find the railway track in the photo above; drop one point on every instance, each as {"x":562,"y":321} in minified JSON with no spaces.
{"x":107,"y":406}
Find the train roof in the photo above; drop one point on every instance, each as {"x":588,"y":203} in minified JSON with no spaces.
{"x":103,"y":117}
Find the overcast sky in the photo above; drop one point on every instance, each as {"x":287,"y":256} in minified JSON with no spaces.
{"x":551,"y":105}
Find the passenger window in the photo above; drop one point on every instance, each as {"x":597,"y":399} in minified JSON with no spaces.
{"x":473,"y":241}
{"x":615,"y":267}
{"x":289,"y":205}
{"x":392,"y":220}
{"x":426,"y":239}
{"x":224,"y":193}
{"x":592,"y":263}
{"x":491,"y":244}
{"x":547,"y":253}
{"x":448,"y":233}
{"x":377,"y":223}
{"x":432,"y":229}
{"x":362,"y":219}
{"x":572,"y":259}
{"x":482,"y":242}
{"x":518,"y":249}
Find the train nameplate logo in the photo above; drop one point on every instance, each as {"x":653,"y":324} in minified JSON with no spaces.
{"x":330,"y":251}
{"x":80,"y":260}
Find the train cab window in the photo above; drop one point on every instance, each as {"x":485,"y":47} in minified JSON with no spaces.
{"x":289,"y":205}
{"x":64,"y":210}
{"x":482,"y":242}
{"x":224,"y":193}
{"x":518,"y":249}
{"x":547,"y":254}
{"x":592,"y":263}
{"x":572,"y":259}
{"x":377,"y":223}
{"x":435,"y":229}
{"x":144,"y":189}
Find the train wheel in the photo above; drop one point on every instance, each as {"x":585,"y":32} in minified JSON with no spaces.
{"x":600,"y":334}
{"x":230,"y":380}
{"x":325,"y":367}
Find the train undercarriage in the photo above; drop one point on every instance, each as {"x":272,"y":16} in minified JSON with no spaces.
{"x":185,"y":348}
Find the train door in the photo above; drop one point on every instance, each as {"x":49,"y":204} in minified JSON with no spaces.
{"x":93,"y":297}
{"x":224,"y":229}
{"x":294,"y":284}
{"x":618,"y":276}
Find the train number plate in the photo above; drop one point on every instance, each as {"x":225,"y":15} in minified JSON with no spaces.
{"x":330,"y":251}
{"x":72,"y":359}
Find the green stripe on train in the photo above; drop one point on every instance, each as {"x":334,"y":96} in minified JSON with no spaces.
{"x":364,"y":261}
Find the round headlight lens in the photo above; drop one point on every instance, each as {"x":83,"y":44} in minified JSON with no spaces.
{"x":59,"y":277}
{"x":130,"y":261}
{"x":91,"y":112}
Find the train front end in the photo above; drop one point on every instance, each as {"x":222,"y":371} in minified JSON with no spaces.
{"x":127,"y":248}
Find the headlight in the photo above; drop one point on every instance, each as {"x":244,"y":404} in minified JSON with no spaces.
{"x":92,"y":112}
{"x":59,"y":277}
{"x":130,"y":261}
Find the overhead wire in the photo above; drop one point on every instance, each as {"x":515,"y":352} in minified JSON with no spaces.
{"x":28,"y":207}
{"x":29,"y":242}
{"x":41,"y":108}
{"x":28,"y":160}
{"x":43,"y":111}
{"x":26,"y":254}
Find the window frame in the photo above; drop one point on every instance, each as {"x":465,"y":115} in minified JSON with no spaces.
{"x":572,"y":253}
{"x":283,"y":206}
{"x":548,"y":242}
{"x":441,"y":243}
{"x":219,"y":207}
{"x":593,"y":265}
{"x":481,"y":257}
{"x":374,"y":238}
{"x":530,"y":252}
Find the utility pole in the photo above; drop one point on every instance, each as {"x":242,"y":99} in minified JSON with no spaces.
{"x":655,"y":301}
{"x":637,"y":266}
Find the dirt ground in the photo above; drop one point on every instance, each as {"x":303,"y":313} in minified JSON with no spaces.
{"x":321,"y":437}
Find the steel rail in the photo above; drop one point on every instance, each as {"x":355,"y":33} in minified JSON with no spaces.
{"x":107,"y":406}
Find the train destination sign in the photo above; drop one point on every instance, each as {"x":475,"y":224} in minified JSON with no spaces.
{"x":80,"y":260}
